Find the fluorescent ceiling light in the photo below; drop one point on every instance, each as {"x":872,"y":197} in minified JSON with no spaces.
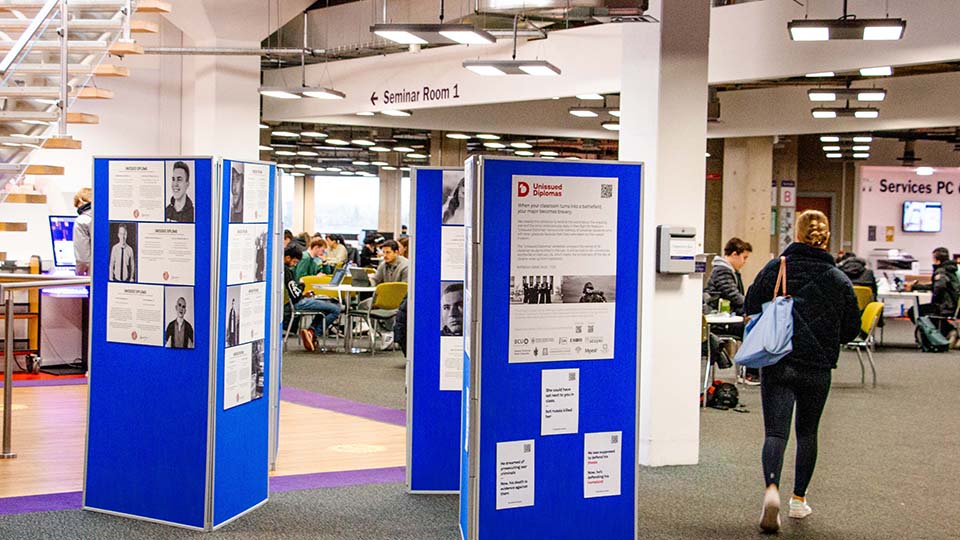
{"x":521,"y":145}
{"x":402,"y":149}
{"x":334,"y":169}
{"x":437,"y":34}
{"x":549,"y":157}
{"x":323,"y":93}
{"x":285,"y":153}
{"x":488,"y":137}
{"x":821,"y":95}
{"x":405,"y":169}
{"x":829,"y":138}
{"x":583,"y":113}
{"x":511,"y":67}
{"x":298,"y":174}
{"x":613,"y":112}
{"x":307,"y":153}
{"x":846,"y":28}
{"x":338,"y":142}
{"x":861,"y":155}
{"x":346,"y":173}
{"x":392,"y":112}
{"x":389,"y":168}
{"x":831,"y":148}
{"x":590,"y":97}
{"x":612,"y":126}
{"x":866,"y":113}
{"x":863,"y":138}
{"x":313,"y":134}
{"x":416,"y":156}
{"x":834,"y":155}
{"x":263,"y":148}
{"x":458,"y":136}
{"x":834,"y":112}
{"x":285,"y":134}
{"x":924,"y":171}
{"x":363,"y":142}
{"x":317,"y":169}
{"x":360,"y":163}
{"x":824,"y":113}
{"x":706,"y":154}
{"x":871,"y":95}
{"x":549,"y":153}
{"x":861,"y":148}
{"x":264,"y":126}
{"x":285,"y":166}
{"x":301,"y":166}
{"x":820,"y":74}
{"x":379,"y":163}
{"x":366,"y":113}
{"x":494,"y":145}
{"x":379,"y":149}
{"x":573,"y":158}
{"x":882,"y":71}
{"x":523,"y":153}
{"x":279,"y":93}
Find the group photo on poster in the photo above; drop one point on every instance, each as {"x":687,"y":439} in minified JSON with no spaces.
{"x":123,"y":252}
{"x":179,"y":333}
{"x":180,"y":192}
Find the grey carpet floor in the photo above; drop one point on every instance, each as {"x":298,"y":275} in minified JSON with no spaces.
{"x":889,"y":468}
{"x":377,"y":380}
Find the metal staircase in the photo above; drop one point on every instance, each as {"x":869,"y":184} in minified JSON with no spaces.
{"x":52,"y":54}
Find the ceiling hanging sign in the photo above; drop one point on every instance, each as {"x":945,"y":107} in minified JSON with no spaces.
{"x":402,"y":97}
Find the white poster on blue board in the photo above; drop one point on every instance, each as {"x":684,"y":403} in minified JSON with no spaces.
{"x":563,"y":261}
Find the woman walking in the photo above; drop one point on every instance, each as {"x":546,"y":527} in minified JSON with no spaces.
{"x":825,"y":316}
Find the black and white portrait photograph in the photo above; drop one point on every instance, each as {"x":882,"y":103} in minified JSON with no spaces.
{"x":123,"y":252}
{"x":256,"y":370}
{"x":535,"y":289}
{"x":451,"y":308}
{"x":178,"y":302}
{"x":232,"y":326}
{"x":589,"y":289}
{"x":236,"y":192}
{"x":181,"y":191}
{"x":260,"y":273}
{"x":454,"y":203}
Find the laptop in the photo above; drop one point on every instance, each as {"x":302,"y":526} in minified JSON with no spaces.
{"x":360,"y":277}
{"x":337,"y":277}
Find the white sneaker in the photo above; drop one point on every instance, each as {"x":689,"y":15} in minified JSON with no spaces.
{"x":387,"y":343}
{"x":799,"y":509}
{"x":770,"y":514}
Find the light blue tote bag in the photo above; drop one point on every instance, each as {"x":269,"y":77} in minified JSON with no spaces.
{"x":768,"y":337}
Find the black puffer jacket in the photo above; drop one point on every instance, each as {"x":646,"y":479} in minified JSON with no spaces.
{"x":945,"y":286}
{"x":825,"y":311}
{"x":726,"y":283}
{"x":856,"y":269}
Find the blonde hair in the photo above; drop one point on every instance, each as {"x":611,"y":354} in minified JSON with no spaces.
{"x":82,"y":197}
{"x":813,"y":229}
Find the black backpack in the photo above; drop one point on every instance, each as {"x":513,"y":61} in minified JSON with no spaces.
{"x":928,"y":336}
{"x":722,"y":396}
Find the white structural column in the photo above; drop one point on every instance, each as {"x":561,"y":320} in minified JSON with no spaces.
{"x":221,"y":103}
{"x":664,"y":123}
{"x":389,"y":216}
{"x":747,"y":176}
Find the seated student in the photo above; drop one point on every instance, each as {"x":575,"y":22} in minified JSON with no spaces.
{"x":394,"y":266}
{"x":404,"y":243}
{"x":336,"y":251}
{"x":305,"y":300}
{"x":725,"y":281}
{"x":856,"y":269}
{"x":308,"y":265}
{"x":369,"y":251}
{"x":946,"y":290}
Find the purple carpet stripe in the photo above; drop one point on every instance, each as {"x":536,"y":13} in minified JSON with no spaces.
{"x":345,"y":406}
{"x":299,"y":482}
{"x":41,"y":503}
{"x":73,"y":381}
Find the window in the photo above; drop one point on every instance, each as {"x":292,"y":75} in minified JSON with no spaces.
{"x":405,"y":201}
{"x":345,"y":205}
{"x":286,"y":199}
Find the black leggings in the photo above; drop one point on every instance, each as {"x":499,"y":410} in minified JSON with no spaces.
{"x":782,"y":385}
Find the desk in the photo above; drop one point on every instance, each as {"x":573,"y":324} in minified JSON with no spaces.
{"x":715,"y":318}
{"x":347,"y":291}
{"x":894,"y":303}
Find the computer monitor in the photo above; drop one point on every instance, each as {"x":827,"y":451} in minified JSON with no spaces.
{"x":919,"y":216}
{"x":61,"y":235}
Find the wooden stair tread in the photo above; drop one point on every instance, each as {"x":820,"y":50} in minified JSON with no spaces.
{"x":91,"y":92}
{"x":46,"y":170}
{"x":82,"y":118}
{"x":122,"y":48}
{"x":26,"y":198}
{"x":13,"y":226}
{"x":153,"y":6}
{"x":58,"y":143}
{"x":110,"y":70}
{"x":144,"y":27}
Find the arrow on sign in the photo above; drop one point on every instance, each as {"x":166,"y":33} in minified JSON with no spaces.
{"x":373,"y":99}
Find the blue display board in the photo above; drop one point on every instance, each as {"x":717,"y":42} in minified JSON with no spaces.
{"x":155,"y":431}
{"x":553,"y":473}
{"x":435,"y":330}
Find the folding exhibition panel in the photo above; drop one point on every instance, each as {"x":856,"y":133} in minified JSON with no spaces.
{"x":549,"y":443}
{"x":178,"y":412}
{"x":435,"y":329}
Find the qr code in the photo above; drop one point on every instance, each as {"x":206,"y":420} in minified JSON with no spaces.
{"x":572,"y":376}
{"x":527,"y":448}
{"x":614,"y":439}
{"x":606,"y":191}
